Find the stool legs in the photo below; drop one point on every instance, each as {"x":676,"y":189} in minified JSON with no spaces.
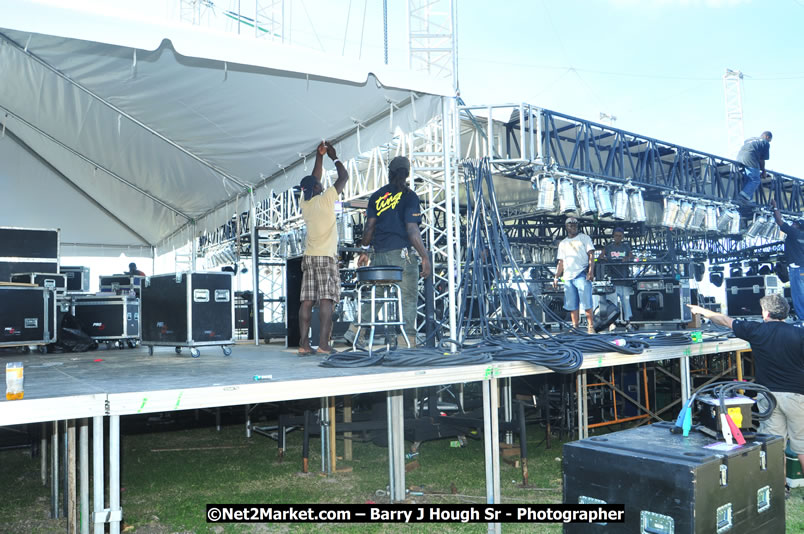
{"x":391,"y":306}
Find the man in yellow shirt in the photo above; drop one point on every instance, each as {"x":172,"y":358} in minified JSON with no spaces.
{"x":321,"y":280}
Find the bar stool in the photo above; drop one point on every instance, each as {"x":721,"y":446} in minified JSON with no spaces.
{"x":388,"y":300}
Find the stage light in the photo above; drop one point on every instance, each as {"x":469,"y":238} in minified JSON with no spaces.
{"x":621,"y":204}
{"x":711,"y":218}
{"x":698,"y":271}
{"x":757,"y":226}
{"x":698,"y":220}
{"x":735,"y":270}
{"x":603,"y":200}
{"x":637,"y":207}
{"x":765,"y":270}
{"x":753,"y":269}
{"x":566,"y":196}
{"x":586,"y":199}
{"x":772,"y":231}
{"x":781,"y":271}
{"x":671,"y":210}
{"x":729,"y":218}
{"x":716,"y":275}
{"x":684,"y":214}
{"x":546,"y":185}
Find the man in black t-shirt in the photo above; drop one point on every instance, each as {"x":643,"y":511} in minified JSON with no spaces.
{"x":778,"y":351}
{"x":392,"y":228}
{"x":619,"y":251}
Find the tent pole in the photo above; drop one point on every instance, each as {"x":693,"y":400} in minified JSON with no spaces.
{"x":255,"y":265}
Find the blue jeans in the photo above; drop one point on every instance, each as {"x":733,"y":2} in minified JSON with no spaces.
{"x":579,"y":289}
{"x":624,"y":294}
{"x":797,"y":290}
{"x":754,"y":177}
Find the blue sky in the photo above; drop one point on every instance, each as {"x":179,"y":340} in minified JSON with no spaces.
{"x":655,"y":65}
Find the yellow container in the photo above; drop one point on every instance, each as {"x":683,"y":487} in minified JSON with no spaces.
{"x":14,"y":381}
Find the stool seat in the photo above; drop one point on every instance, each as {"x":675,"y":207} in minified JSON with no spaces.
{"x":379,"y":274}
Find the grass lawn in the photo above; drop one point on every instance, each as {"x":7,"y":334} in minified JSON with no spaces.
{"x":168,"y":476}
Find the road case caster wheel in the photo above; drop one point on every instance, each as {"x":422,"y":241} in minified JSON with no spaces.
{"x":227,"y":351}
{"x":195,"y":353}
{"x":150,"y":350}
{"x":26,"y":349}
{"x":178,"y":350}
{"x":42,"y":349}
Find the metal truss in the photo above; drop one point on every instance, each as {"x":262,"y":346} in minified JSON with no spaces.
{"x":279,"y":214}
{"x":733,"y":94}
{"x":432,"y":29}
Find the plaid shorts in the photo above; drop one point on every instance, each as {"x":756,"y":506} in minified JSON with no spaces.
{"x":321,"y":278}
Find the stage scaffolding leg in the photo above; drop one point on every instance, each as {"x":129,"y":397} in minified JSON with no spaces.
{"x":43,"y":453}
{"x":396,"y":444}
{"x":54,"y":471}
{"x":114,"y":513}
{"x":508,"y":409}
{"x":98,"y":497}
{"x":583,"y":420}
{"x":83,"y":464}
{"x":684,"y":374}
{"x":70,"y":459}
{"x":491,"y":438}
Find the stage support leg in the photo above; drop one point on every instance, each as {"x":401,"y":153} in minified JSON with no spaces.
{"x":396,"y":444}
{"x":491,"y":437}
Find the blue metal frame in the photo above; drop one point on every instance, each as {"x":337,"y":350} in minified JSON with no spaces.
{"x":588,"y":148}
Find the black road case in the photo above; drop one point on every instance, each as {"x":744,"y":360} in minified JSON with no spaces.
{"x":671,"y":484}
{"x":121,"y":283}
{"x":77,"y":278}
{"x":661,"y":301}
{"x":27,"y":250}
{"x":54,"y":281}
{"x":27,"y":316}
{"x":188,"y":310}
{"x":743,"y":294}
{"x":114,"y":319}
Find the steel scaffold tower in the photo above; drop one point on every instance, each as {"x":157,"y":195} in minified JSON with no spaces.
{"x":733,"y":93}
{"x":432,"y":37}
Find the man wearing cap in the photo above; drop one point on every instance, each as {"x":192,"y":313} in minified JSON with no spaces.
{"x":321,"y":280}
{"x":619,"y":251}
{"x":576,"y":263}
{"x":392,"y":229}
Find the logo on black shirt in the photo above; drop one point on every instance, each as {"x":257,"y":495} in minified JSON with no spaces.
{"x":387,"y":201}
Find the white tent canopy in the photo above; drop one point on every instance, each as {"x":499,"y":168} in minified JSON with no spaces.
{"x":123,"y":132}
